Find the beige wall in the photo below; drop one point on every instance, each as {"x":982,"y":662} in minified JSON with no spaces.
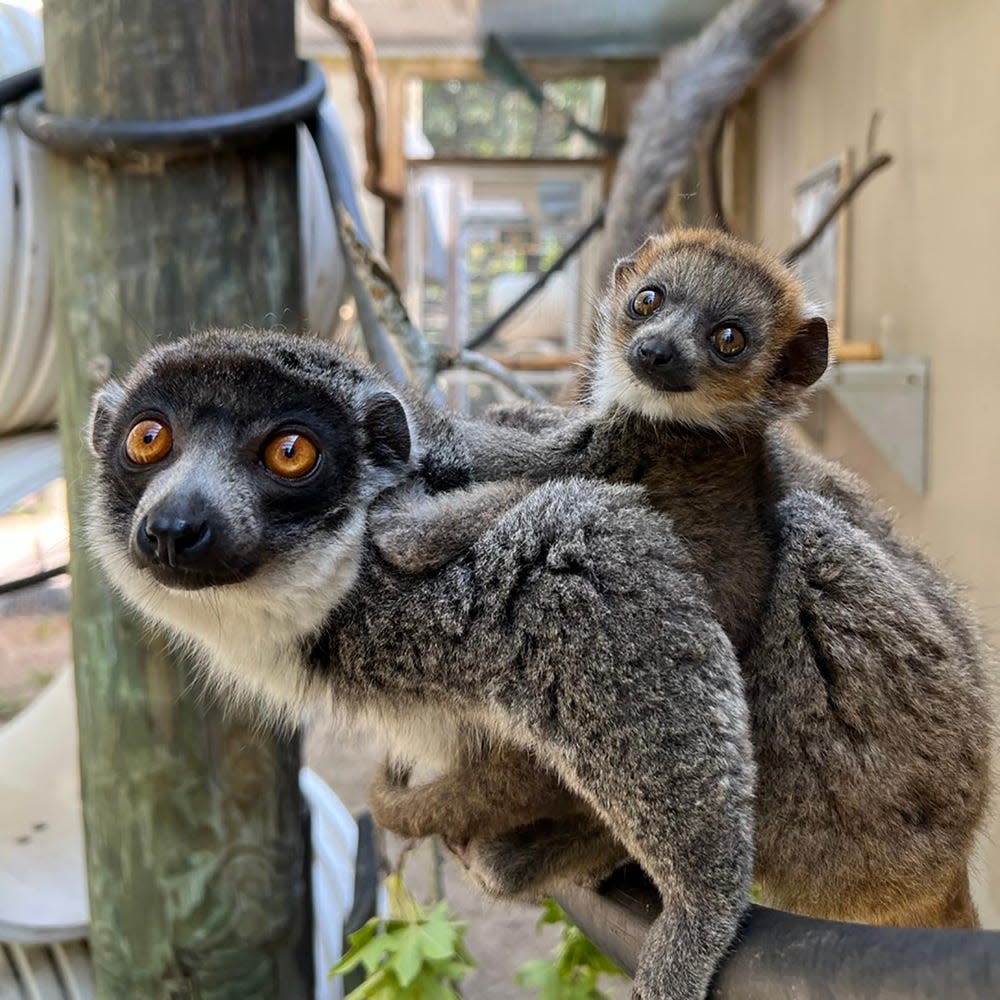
{"x":924,"y":255}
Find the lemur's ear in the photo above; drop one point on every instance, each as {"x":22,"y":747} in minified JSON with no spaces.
{"x":627,"y":267}
{"x":624,"y":269}
{"x":103,"y":410}
{"x":387,"y":430}
{"x":805,"y":357}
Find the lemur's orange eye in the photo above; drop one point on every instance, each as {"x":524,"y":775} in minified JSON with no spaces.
{"x":646,"y":302}
{"x":729,"y":341}
{"x":290,"y":455}
{"x":149,"y":441}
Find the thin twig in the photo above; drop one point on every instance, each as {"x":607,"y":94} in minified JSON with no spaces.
{"x":344,"y":19}
{"x":873,"y":166}
{"x":558,"y":264}
{"x":448,"y":359}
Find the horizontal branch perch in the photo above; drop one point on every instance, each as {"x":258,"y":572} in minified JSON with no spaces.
{"x":780,"y":956}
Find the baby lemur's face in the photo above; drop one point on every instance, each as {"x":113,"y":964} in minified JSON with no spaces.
{"x":703,"y":329}
{"x":235,"y":471}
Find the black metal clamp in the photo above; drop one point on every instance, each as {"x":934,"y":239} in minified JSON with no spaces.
{"x":122,"y":141}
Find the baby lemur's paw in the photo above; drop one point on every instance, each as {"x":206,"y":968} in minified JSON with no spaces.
{"x":528,"y":863}
{"x":500,"y":868}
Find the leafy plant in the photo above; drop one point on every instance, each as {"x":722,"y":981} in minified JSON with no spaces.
{"x":416,"y":954}
{"x":576,"y":965}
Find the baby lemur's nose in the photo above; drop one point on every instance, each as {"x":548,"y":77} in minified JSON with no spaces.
{"x":175,"y":540}
{"x":659,"y":363}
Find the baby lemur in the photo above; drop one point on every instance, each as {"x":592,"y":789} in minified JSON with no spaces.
{"x":864,"y":675}
{"x":235,"y":476}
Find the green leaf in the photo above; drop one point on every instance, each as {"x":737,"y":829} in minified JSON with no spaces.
{"x":361,"y":942}
{"x":552,"y":913}
{"x":414,"y":955}
{"x":409,"y":956}
{"x":576,"y":965}
{"x":439,"y":936}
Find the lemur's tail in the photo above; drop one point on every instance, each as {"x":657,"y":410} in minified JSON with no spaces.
{"x":695,"y":83}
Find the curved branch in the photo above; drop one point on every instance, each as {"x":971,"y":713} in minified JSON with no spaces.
{"x":844,"y":197}
{"x":474,"y":361}
{"x":344,"y":19}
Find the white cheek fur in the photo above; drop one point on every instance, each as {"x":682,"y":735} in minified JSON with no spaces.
{"x":615,"y":387}
{"x":247,"y":635}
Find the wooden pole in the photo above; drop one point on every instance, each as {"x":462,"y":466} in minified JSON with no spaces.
{"x":194,"y":823}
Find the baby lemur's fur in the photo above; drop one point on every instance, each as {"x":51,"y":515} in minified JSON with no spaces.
{"x":864,"y":675}
{"x":235,"y":476}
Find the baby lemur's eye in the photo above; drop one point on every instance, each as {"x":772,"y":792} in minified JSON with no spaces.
{"x":646,"y":302}
{"x":290,"y":455}
{"x":729,"y":341}
{"x":148,"y":441}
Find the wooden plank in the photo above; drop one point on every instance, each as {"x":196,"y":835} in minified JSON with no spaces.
{"x":457,"y":160}
{"x":470,"y":68}
{"x":739,"y":161}
{"x":394,"y":154}
{"x":195,"y":852}
{"x":850,"y":350}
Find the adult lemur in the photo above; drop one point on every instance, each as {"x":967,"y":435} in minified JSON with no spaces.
{"x":864,"y":675}
{"x":234,"y":480}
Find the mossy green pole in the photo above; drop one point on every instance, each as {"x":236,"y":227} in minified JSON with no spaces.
{"x":195,"y":852}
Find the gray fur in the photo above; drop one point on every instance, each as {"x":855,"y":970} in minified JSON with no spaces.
{"x":694,"y":84}
{"x":864,"y":673}
{"x":572,"y":629}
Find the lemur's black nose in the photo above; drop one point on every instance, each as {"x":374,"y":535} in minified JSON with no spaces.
{"x":660,"y":364}
{"x":175,"y":540}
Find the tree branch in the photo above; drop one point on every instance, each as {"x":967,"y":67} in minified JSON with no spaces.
{"x":448,"y":358}
{"x":344,"y":19}
{"x":846,"y":195}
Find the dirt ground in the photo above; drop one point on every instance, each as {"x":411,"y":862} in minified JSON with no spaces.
{"x":35,"y":644}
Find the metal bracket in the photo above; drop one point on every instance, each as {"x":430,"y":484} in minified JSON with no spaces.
{"x":889,"y":400}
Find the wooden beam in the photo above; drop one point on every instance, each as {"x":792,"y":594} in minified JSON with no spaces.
{"x":394,"y":174}
{"x":470,"y":68}
{"x":194,"y":825}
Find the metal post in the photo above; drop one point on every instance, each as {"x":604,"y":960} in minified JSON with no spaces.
{"x":194,"y":823}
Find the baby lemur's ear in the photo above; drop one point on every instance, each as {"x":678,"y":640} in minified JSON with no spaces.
{"x":806,"y":355}
{"x":627,"y":267}
{"x":387,"y":430}
{"x":103,"y":410}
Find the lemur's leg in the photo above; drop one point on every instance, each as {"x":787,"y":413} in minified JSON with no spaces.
{"x":422,"y":533}
{"x":488,"y":795}
{"x":531,"y":862}
{"x":871,"y":725}
{"x":625,"y":682}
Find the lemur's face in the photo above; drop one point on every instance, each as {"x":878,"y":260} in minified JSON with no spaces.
{"x":705,"y":330}
{"x":240,"y":465}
